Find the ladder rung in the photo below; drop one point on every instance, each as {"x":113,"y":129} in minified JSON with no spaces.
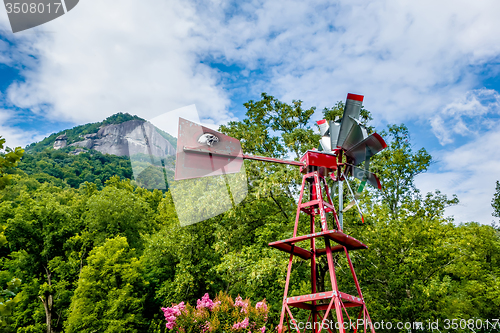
{"x":339,"y":237}
{"x":347,"y":299}
{"x":315,"y":203}
{"x":336,"y":248}
{"x":297,"y":251}
{"x":309,"y":203}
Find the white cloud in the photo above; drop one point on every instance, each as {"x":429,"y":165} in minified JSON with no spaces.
{"x":103,"y":57}
{"x":469,"y":171}
{"x":13,"y":136}
{"x":467,"y":116}
{"x":410,"y":59}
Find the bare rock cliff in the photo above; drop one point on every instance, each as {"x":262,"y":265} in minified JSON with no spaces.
{"x":60,"y":141}
{"x":125,"y":139}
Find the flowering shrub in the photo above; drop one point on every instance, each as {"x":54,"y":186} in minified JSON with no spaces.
{"x":221,"y":315}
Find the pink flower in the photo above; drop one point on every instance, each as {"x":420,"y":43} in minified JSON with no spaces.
{"x":172,"y":313}
{"x":206,"y":302}
{"x":239,"y":302}
{"x":242,"y":324}
{"x":263,"y":329}
{"x":206,"y":327}
{"x":262,"y":305}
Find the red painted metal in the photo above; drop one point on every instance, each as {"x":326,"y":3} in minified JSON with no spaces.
{"x":318,"y":159}
{"x":213,"y":152}
{"x":274,"y":160}
{"x":339,"y":237}
{"x":355,"y":97}
{"x":194,"y":160}
{"x":316,"y":169}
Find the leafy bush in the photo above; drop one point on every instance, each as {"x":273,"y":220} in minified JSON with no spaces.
{"x":223,"y":315}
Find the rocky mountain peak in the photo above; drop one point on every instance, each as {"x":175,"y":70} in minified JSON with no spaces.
{"x":124,"y":139}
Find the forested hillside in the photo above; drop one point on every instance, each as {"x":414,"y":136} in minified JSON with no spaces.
{"x":65,"y":169}
{"x":84,"y":249}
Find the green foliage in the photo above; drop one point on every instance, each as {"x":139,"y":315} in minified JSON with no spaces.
{"x":110,"y":292}
{"x":119,"y":118}
{"x":397,"y":166}
{"x":117,"y":211}
{"x":50,"y":234}
{"x":74,"y":170}
{"x":8,"y":159}
{"x":495,"y":202}
{"x":39,"y":231}
{"x":152,"y":176}
{"x":269,"y":116}
{"x":9,"y":297}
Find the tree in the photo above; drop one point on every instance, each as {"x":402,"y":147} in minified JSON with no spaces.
{"x":117,"y":210}
{"x":273,"y":128}
{"x":401,"y":272}
{"x":495,"y":203}
{"x":40,"y":230}
{"x":397,"y":166}
{"x":111,"y":291}
{"x":8,"y":298}
{"x":8,"y":160}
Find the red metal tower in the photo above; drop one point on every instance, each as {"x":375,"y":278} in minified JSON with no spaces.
{"x":318,"y":166}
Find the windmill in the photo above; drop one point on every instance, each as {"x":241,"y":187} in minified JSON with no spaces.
{"x":209,"y":159}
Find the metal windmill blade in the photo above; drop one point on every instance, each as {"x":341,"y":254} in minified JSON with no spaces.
{"x":350,"y":118}
{"x":361,"y":174}
{"x":329,"y":133}
{"x":352,"y":139}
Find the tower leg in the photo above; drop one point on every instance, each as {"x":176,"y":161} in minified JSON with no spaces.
{"x":283,"y":308}
{"x":333,"y":280}
{"x":358,"y":288}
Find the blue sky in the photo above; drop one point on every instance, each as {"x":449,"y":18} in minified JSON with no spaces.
{"x":433,"y":66}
